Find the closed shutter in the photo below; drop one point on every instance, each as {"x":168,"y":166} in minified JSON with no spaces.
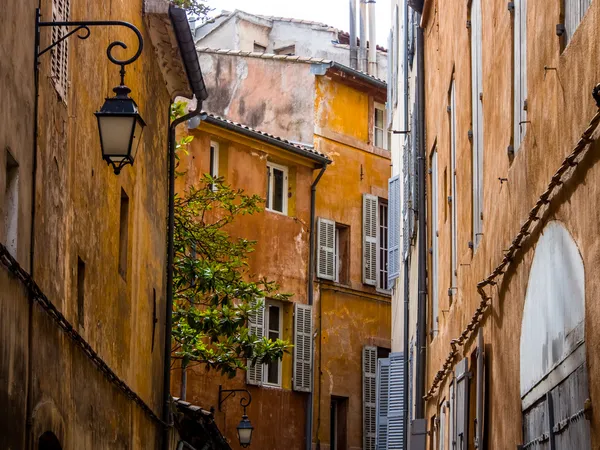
{"x":369,"y":239}
{"x":452,"y":417}
{"x":393,"y":229}
{"x":326,"y":251}
{"x":59,"y":65}
{"x":454,"y":195}
{"x":383,"y":388}
{"x":574,"y":12}
{"x":462,"y":405}
{"x":405,"y":196}
{"x":477,"y":119}
{"x":395,"y":416}
{"x":414,"y":181}
{"x":390,"y":84}
{"x":520,"y":71}
{"x":434,"y":241}
{"x":369,"y":396}
{"x":480,"y":410}
{"x":396,"y":45}
{"x":302,"y":347}
{"x":256,"y":327}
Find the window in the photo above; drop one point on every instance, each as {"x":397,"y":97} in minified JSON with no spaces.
{"x":214,"y":161}
{"x":273,"y":328}
{"x":59,"y":65}
{"x":452,"y":199}
{"x":574,"y":10}
{"x":381,"y":136}
{"x":48,"y":441}
{"x":434,"y":224}
{"x":277,"y":188}
{"x":342,"y":254}
{"x":289,"y":50}
{"x":382,"y":257}
{"x":80,"y":292}
{"x":154,"y":318}
{"x":333,"y":256}
{"x":11,"y":205}
{"x":374,"y":225}
{"x":123,"y":234}
{"x":259,"y":48}
{"x":338,"y":423}
{"x":477,"y":119}
{"x":520,"y":72}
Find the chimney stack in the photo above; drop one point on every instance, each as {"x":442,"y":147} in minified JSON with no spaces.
{"x":362,"y":50}
{"x":353,"y":47}
{"x":372,"y":40}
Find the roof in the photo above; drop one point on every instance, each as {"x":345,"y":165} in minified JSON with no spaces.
{"x":298,"y":149}
{"x":298,"y":59}
{"x":197,"y":426}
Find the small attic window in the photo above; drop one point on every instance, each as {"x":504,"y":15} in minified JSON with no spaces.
{"x":259,"y":48}
{"x":289,"y":50}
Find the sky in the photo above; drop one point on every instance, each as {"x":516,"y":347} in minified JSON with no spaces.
{"x":331,"y":12}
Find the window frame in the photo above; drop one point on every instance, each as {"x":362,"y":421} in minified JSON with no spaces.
{"x":214,"y":161}
{"x":268,"y":304}
{"x":270,"y":188}
{"x":386,"y":138}
{"x":382,"y":251}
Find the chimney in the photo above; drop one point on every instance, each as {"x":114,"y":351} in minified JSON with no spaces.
{"x":353,"y":47}
{"x":362,"y":50}
{"x":372,"y":40}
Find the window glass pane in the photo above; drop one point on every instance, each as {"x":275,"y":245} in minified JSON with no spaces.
{"x":273,"y":372}
{"x":378,"y":138}
{"x":379,"y":118}
{"x":212,"y":162}
{"x":277,"y":202}
{"x":274,"y":321}
{"x":268,"y":187}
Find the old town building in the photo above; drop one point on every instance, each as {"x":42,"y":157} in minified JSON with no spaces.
{"x":501,"y":290}
{"x":286,"y":118}
{"x":83,"y":255}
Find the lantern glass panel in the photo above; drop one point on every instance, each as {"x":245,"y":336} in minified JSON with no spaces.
{"x":137,"y":137}
{"x":115,"y":132}
{"x":245,"y":435}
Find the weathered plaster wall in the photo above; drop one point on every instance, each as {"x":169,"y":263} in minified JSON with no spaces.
{"x":269,"y":95}
{"x":77,"y":215}
{"x":559,"y":107}
{"x":281,"y":255}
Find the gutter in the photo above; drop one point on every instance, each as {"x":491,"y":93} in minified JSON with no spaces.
{"x":376,"y":82}
{"x":311,"y":274}
{"x":192,"y":67}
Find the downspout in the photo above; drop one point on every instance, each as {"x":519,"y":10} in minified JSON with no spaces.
{"x":372,"y":39}
{"x":170,"y":257}
{"x":311,"y":274}
{"x":362,"y":49}
{"x":353,"y":47}
{"x":422,"y":250}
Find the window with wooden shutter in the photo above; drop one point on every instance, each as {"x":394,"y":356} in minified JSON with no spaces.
{"x":59,"y":65}
{"x":383,"y":387}
{"x":462,"y":404}
{"x":434,"y":230}
{"x":453,"y":193}
{"x":369,"y":360}
{"x":302,"y":347}
{"x":256,"y":327}
{"x":520,"y":72}
{"x":395,"y":417}
{"x":369,"y":239}
{"x":393,"y":229}
{"x":326,"y":249}
{"x":574,"y":10}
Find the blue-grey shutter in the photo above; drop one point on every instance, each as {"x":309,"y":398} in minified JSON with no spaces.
{"x":405,"y":196}
{"x":395,"y":415}
{"x":370,"y":236}
{"x":389,"y":104}
{"x":520,"y":71}
{"x":369,"y":396}
{"x":396,"y":47}
{"x":393,"y":229}
{"x":462,"y":404}
{"x":383,"y":390}
{"x":414,"y":182}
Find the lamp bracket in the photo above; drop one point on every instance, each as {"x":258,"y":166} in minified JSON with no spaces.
{"x":244,"y":401}
{"x":84,"y":28}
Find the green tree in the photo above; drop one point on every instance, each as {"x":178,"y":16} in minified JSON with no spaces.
{"x":195,"y":7}
{"x":214,"y":293}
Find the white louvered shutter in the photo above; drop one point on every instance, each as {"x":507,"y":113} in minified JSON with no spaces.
{"x":302,"y":347}
{"x":326,"y":249}
{"x":479,"y":420}
{"x":256,"y":326}
{"x":369,"y":239}
{"x":383,"y":390}
{"x":396,"y":403}
{"x":393,"y":229}
{"x":369,"y":396}
{"x":462,"y":404}
{"x":59,"y":65}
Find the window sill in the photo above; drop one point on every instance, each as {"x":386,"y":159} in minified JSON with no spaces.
{"x":277,"y":212}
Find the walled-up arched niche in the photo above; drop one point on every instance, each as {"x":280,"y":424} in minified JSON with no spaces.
{"x":48,"y":441}
{"x":553,"y":317}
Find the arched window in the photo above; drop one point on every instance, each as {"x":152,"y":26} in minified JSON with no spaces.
{"x":553,"y":375}
{"x":48,"y":441}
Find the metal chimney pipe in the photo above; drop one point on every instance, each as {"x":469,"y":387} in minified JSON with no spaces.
{"x":362,"y":50}
{"x":372,"y":39}
{"x":353,"y":47}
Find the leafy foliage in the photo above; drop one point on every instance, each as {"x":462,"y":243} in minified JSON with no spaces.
{"x":195,"y":7}
{"x":214,"y":294}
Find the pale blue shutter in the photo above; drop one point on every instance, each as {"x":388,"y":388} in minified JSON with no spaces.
{"x":462,"y":404}
{"x":393,"y":229}
{"x":395,"y":417}
{"x":383,"y":387}
{"x":370,"y":239}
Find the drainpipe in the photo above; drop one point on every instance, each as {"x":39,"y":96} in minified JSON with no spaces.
{"x":372,"y":40}
{"x":362,"y":49}
{"x":353,"y":47}
{"x":170,"y":257}
{"x":311,"y":274}
{"x":422,"y":250}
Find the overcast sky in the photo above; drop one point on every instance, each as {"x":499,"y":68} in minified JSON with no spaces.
{"x":331,"y":12}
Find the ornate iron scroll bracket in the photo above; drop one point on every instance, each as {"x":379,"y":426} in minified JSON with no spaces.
{"x":244,"y":401}
{"x":84,"y":28}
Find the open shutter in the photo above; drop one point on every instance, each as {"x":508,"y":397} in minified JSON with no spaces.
{"x":462,"y":404}
{"x":383,"y":388}
{"x":452,"y":417}
{"x":302,"y":347}
{"x":479,"y":420}
{"x":369,"y":396}
{"x":256,"y":326}
{"x":393,"y":229}
{"x":326,"y":250}
{"x":59,"y":65}
{"x":396,"y":402}
{"x":369,"y":239}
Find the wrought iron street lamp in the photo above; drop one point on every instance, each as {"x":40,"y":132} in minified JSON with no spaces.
{"x":119,"y":122}
{"x":245,"y":428}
